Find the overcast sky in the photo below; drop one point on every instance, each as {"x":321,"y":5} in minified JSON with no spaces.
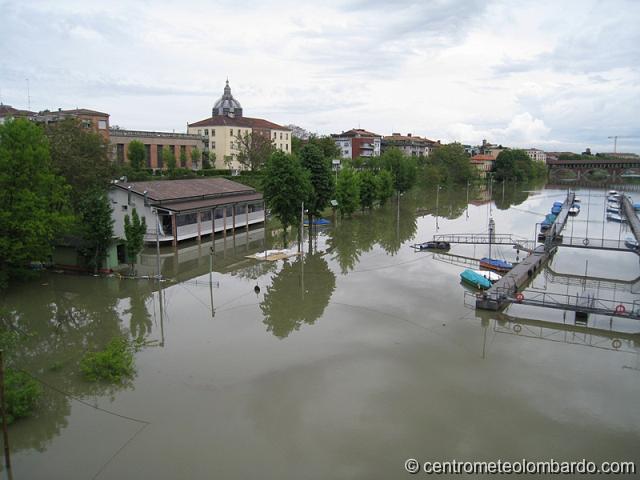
{"x":557,"y":75}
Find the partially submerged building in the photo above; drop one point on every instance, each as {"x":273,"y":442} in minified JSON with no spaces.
{"x":177,"y":210}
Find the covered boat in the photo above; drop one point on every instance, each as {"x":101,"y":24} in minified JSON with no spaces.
{"x":475,"y":280}
{"x":432,"y":246}
{"x":612,"y":209}
{"x":318,"y":221}
{"x":575,"y":209}
{"x":614,"y":217}
{"x":556,"y":209}
{"x":636,"y":206}
{"x":631,"y":242}
{"x":492,"y":276}
{"x":495,"y":264}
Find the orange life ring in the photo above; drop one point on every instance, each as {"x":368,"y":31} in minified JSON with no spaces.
{"x":620,"y":309}
{"x":519,"y":297}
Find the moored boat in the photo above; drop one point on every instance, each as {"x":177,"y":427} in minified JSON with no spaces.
{"x":631,"y":242}
{"x":612,"y":209}
{"x":614,"y":217}
{"x":490,"y":275}
{"x":556,"y":209}
{"x":432,"y":246}
{"x":495,"y":264}
{"x":474,"y":279}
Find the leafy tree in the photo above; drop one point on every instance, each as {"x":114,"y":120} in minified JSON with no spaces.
{"x":183,"y":158}
{"x":514,"y":164}
{"x":368,"y":188}
{"x":385,"y":186}
{"x":328,"y":146}
{"x":196,"y":155}
{"x":253,"y":149}
{"x":297,"y":144}
{"x":81,"y":157}
{"x":21,"y":394}
{"x":136,"y":153}
{"x":134,"y":230}
{"x":319,"y":167}
{"x":33,"y":200}
{"x":402,"y":167}
{"x":347,"y":191}
{"x":285,"y":186}
{"x":95,"y":227}
{"x":205,"y":160}
{"x":452,"y":163}
{"x":169,"y":159}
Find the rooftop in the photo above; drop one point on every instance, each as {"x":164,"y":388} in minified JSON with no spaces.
{"x":119,"y":132}
{"x":483,"y":158}
{"x":356,"y":132}
{"x":245,"y":122}
{"x":75,"y":111}
{"x":187,"y":189}
{"x":8,"y":110}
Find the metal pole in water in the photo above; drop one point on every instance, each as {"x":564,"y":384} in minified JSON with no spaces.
{"x":158,"y":243}
{"x":467,"y":199}
{"x":3,"y":411}
{"x":300,"y":249}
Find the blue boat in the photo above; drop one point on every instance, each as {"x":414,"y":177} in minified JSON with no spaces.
{"x":636,"y":206}
{"x":318,"y":221}
{"x":612,"y":209}
{"x":556,"y":209}
{"x":475,"y":280}
{"x":495,"y":265}
{"x":557,"y":204}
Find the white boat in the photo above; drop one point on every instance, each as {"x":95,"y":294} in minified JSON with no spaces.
{"x":631,"y":242}
{"x":577,"y":200}
{"x":615,"y":217}
{"x":493,"y":277}
{"x":613,"y":192}
{"x":574,"y":211}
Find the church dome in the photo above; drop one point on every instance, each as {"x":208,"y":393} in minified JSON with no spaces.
{"x":227,"y":105}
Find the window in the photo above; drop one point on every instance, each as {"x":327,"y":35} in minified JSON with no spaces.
{"x":274,"y":135}
{"x":205,"y":216}
{"x":206,"y":132}
{"x":213,"y":132}
{"x":286,"y":136}
{"x":231,"y":132}
{"x":213,"y":145}
{"x":286,"y":147}
{"x":229,"y":211}
{"x":102,"y":124}
{"x":240,"y":209}
{"x":280,"y":135}
{"x":159,"y":156}
{"x":199,"y":131}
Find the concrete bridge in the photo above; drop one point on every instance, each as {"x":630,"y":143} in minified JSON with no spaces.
{"x":615,"y":167}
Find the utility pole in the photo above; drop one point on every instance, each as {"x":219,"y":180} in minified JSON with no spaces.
{"x":5,"y":433}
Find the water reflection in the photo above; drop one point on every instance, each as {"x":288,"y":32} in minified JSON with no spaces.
{"x":298,"y":294}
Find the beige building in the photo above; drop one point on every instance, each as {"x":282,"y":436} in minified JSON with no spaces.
{"x":412,"y":145}
{"x":227,"y":125}
{"x":537,"y":155}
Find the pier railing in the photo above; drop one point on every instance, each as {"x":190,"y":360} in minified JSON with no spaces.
{"x":483,"y":239}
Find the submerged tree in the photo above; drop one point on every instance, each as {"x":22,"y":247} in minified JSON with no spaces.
{"x":347,"y":191}
{"x":95,"y":228}
{"x":285,"y":186}
{"x":385,"y":186}
{"x":368,"y":189}
{"x":33,"y":200}
{"x":134,"y":230}
{"x":319,"y":167}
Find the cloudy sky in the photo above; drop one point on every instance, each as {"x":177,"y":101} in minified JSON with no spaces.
{"x":557,"y":75}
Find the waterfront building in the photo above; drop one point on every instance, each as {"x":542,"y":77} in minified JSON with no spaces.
{"x":490,"y":149}
{"x":177,"y":210}
{"x":7,"y":111}
{"x":228,"y":124}
{"x":358,"y":142}
{"x":536,"y":155}
{"x":180,"y":144}
{"x":409,"y":144}
{"x":484,"y":164}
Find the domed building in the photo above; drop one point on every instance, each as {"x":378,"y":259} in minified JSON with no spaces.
{"x":226,"y":129}
{"x":227,"y":105}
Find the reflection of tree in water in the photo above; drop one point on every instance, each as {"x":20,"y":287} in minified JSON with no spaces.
{"x":514,"y":193}
{"x":58,"y":323}
{"x":140,"y":324}
{"x":296,"y":296}
{"x":255,"y":270}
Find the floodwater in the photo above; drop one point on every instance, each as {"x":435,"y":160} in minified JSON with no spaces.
{"x":339,"y":365}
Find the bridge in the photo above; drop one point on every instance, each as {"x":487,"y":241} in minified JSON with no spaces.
{"x":622,"y":167}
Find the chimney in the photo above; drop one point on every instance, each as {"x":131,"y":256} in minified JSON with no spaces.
{"x":408,"y":134}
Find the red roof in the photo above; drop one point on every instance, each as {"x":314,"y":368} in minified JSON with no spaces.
{"x":356,"y":132}
{"x":8,"y":110}
{"x":245,"y":122}
{"x":483,"y":158}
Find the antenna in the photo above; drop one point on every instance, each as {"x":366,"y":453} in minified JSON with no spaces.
{"x":28,"y":96}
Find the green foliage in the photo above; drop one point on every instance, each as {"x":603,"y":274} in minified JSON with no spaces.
{"x":21,"y":394}
{"x":347,"y":191}
{"x":285,"y":186}
{"x":196,"y":156}
{"x":95,"y":227}
{"x":253,"y":149}
{"x":319,"y":167}
{"x":327,"y":145}
{"x":206,"y":162}
{"x":369,"y":186}
{"x":451,"y":164}
{"x":112,"y":364}
{"x":81,"y":157}
{"x":136,"y":154}
{"x":514,"y":164}
{"x":169,"y":159}
{"x":385,"y":186}
{"x":296,"y":145}
{"x":403,"y":168}
{"x":183,"y":158}
{"x":134,"y":230}
{"x":33,"y":200}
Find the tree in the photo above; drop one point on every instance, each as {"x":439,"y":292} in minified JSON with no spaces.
{"x":328,"y":146}
{"x":385,"y":186}
{"x":285,"y":186}
{"x":253,"y":149}
{"x":319,"y":168}
{"x":196,"y":155}
{"x":33,"y":199}
{"x":452,"y":163}
{"x":136,"y":153}
{"x":368,"y":189}
{"x":134,"y":230}
{"x":514,"y":164}
{"x":347,"y":191}
{"x":183,"y":158}
{"x":81,"y":157}
{"x":403,"y":168}
{"x":95,"y":228}
{"x":169,"y":159}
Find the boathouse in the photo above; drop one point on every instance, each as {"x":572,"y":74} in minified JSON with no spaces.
{"x":177,"y":210}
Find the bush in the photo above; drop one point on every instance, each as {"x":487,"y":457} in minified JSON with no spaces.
{"x":111,"y":364}
{"x":21,"y":394}
{"x":213,"y":172}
